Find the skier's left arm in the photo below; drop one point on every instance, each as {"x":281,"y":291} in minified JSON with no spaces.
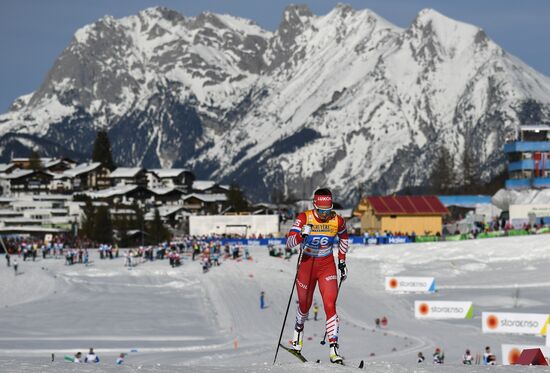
{"x":343,"y":245}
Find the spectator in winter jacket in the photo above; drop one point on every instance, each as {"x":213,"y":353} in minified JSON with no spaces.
{"x":438,"y":356}
{"x":467,"y":359}
{"x":91,"y":357}
{"x":488,"y":357}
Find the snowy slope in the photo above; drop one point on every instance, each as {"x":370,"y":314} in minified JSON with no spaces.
{"x":346,"y":99}
{"x":183,"y":320}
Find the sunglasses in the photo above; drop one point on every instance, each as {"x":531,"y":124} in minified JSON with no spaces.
{"x":324,"y":211}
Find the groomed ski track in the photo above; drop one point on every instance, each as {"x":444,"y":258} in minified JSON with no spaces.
{"x":181,"y":320}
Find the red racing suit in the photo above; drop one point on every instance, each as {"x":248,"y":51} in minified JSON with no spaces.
{"x":318,"y":266}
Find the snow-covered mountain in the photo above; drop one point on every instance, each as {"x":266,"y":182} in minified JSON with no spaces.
{"x":347,"y":99}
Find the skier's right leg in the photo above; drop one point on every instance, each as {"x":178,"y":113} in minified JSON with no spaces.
{"x":305,"y":287}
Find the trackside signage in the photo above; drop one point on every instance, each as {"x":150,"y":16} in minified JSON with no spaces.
{"x":510,"y":353}
{"x":515,"y":323}
{"x":424,"y":309}
{"x":410,"y":284}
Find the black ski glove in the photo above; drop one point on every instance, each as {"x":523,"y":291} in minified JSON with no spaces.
{"x":343,"y":270}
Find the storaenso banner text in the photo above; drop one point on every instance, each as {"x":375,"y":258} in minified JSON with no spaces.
{"x":425,"y":309}
{"x":410,"y":284}
{"x":515,"y":323}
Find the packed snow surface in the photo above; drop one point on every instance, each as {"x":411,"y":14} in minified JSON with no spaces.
{"x":181,"y":320}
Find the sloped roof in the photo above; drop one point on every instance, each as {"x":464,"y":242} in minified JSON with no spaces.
{"x":81,"y":169}
{"x":23,"y":159}
{"x":125,"y":172}
{"x":165,"y":211}
{"x":52,"y":162}
{"x":407,"y":205}
{"x":203,"y":184}
{"x":112,"y":192}
{"x":16,"y":174}
{"x":164,"y":191}
{"x":4,"y":167}
{"x":217,"y":197}
{"x":168,"y":172}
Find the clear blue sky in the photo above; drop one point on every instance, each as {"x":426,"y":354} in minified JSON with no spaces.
{"x":34,"y":32}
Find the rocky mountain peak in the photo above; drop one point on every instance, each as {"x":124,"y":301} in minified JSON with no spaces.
{"x":429,"y":23}
{"x":295,"y":19}
{"x":164,"y":13}
{"x":296,"y":14}
{"x":283,"y":46}
{"x":344,"y":99}
{"x":209,"y":19}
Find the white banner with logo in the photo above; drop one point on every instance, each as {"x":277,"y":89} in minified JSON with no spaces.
{"x":510,"y":353}
{"x":424,"y":309}
{"x":514,"y":323}
{"x":410,"y":284}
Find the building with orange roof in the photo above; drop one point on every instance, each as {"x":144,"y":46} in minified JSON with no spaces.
{"x":422,"y":215}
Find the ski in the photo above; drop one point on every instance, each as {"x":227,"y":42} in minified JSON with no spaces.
{"x":295,"y":353}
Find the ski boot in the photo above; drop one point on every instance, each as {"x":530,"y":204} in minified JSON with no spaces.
{"x":335,"y":357}
{"x":298,"y":340}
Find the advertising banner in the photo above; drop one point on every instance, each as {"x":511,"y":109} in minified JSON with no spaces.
{"x":425,"y":309}
{"x":398,"y":239}
{"x":515,"y":323}
{"x":410,"y":284}
{"x":510,"y":353}
{"x":427,"y":239}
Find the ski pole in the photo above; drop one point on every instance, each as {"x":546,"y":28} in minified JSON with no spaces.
{"x":323,"y":342}
{"x":289,"y":301}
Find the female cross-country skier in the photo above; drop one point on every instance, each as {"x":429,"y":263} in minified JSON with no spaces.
{"x":317,"y":229}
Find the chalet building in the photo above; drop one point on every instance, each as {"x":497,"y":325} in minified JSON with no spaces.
{"x":89,"y":176}
{"x":59,"y":165}
{"x":422,"y":215}
{"x":125,"y":194}
{"x":27,"y":181}
{"x":170,"y":178}
{"x":48,"y":164}
{"x":171,"y":196}
{"x":209,"y":187}
{"x":174,"y":216}
{"x":206,"y":203}
{"x":86,"y":176}
{"x":129,"y":176}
